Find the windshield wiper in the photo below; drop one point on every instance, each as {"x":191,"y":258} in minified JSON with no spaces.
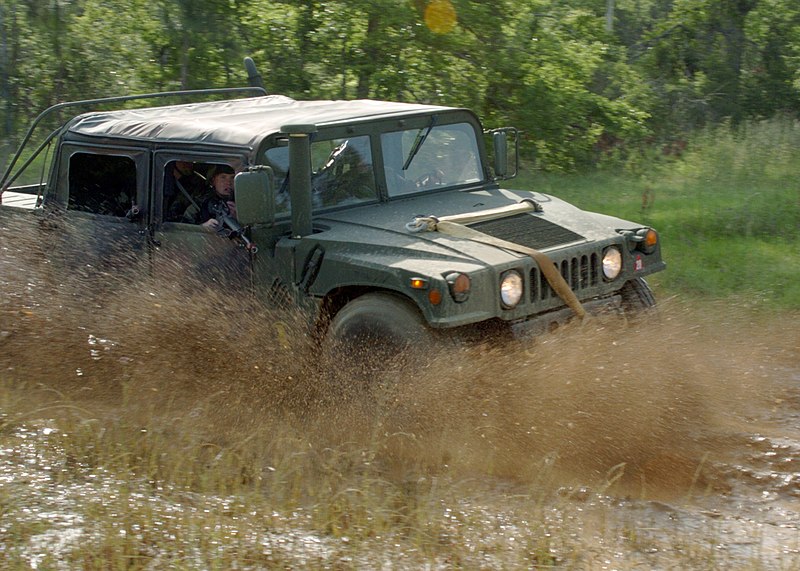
{"x":422,"y":134}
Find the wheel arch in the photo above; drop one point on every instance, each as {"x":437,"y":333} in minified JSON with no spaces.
{"x":337,"y":298}
{"x":637,"y":297}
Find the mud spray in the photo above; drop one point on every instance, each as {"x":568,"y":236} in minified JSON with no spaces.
{"x":648,"y":406}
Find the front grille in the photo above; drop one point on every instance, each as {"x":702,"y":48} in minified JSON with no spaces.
{"x":528,"y":230}
{"x":580,"y":272}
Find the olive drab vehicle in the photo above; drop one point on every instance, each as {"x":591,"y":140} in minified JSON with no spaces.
{"x":379,"y":219}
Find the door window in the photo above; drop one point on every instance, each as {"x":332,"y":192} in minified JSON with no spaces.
{"x":102,"y":184}
{"x":341,"y":173}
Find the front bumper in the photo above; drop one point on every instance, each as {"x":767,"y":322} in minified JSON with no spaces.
{"x":543,"y":323}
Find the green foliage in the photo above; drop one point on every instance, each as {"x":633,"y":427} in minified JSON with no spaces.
{"x":711,"y":60}
{"x":584,"y":89}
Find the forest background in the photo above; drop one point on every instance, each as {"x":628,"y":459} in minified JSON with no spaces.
{"x":589,"y":82}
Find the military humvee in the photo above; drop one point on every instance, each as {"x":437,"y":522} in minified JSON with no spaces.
{"x":381,"y":220}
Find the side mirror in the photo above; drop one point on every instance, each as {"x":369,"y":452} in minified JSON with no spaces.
{"x":255,"y":196}
{"x":500,"y":141}
{"x":506,"y":161}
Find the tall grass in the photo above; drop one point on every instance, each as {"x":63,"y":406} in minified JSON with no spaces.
{"x":137,"y":490}
{"x":728,"y":211}
{"x":134,"y":489}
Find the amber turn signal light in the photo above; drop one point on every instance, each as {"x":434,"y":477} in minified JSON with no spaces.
{"x":459,"y":285}
{"x":648,"y":239}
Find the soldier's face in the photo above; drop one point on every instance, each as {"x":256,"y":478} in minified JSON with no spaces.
{"x":223,"y":185}
{"x":184,"y":167}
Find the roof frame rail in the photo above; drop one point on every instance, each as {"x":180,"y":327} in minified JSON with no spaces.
{"x":6,"y":181}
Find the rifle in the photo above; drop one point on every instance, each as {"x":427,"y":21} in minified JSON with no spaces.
{"x":230,"y":227}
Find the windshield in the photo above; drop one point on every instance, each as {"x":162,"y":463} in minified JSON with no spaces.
{"x":433,"y":156}
{"x":415,"y":160}
{"x":341,"y":173}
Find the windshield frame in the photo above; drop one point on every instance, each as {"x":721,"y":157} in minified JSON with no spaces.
{"x":376,"y":129}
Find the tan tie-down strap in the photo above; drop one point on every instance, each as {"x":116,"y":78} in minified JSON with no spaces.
{"x":454,"y":226}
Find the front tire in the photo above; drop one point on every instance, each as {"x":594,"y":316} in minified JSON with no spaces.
{"x":637,"y":298}
{"x":379,"y":318}
{"x":376,"y":331}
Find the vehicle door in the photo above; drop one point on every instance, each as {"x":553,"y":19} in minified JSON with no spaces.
{"x":342,"y":176}
{"x":103,"y":198}
{"x":186,"y":251}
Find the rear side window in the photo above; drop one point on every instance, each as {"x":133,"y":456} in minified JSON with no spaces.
{"x":101,"y":184}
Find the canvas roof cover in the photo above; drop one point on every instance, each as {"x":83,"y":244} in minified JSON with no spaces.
{"x":234,"y":122}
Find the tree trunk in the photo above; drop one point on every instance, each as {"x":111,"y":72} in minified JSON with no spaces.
{"x":7,"y":24}
{"x":371,"y":56}
{"x":609,"y":15}
{"x":184,"y":70}
{"x":60,"y":79}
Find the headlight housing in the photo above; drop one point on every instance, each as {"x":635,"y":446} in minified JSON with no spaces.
{"x":510,"y":289}
{"x":612,"y":262}
{"x":648,"y":240}
{"x":643,"y":239}
{"x":459,"y":285}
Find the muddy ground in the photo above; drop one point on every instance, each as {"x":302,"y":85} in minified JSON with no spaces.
{"x":685,"y":426}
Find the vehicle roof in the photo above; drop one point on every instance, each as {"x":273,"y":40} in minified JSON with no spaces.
{"x":232,"y":122}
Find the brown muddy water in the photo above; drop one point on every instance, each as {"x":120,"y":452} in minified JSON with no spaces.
{"x":669,"y":443}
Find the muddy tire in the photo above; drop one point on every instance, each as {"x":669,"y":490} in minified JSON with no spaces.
{"x":376,"y":331}
{"x":379,"y":318}
{"x":637,"y":298}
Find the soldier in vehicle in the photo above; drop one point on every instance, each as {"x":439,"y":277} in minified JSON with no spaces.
{"x":220,"y":204}
{"x":184,"y":188}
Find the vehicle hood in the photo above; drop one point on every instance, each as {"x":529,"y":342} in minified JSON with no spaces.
{"x":380,"y":229}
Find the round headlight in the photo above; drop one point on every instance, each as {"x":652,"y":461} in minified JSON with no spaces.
{"x":612,"y":263}
{"x":510,"y":289}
